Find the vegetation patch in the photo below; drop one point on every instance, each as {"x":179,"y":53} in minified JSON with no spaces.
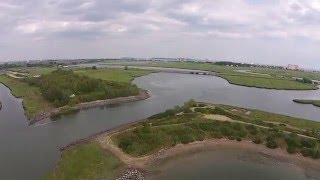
{"x":56,"y":87}
{"x":278,"y":79}
{"x":176,"y":127}
{"x":268,"y":83}
{"x":112,"y":74}
{"x":63,"y":87}
{"x":88,"y":161}
{"x":33,"y":101}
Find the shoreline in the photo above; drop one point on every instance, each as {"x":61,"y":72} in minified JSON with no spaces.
{"x":282,"y":89}
{"x":300,"y":101}
{"x":148,"y":162}
{"x":143,"y":94}
{"x":310,"y":167}
{"x":217,"y":74}
{"x":151,"y":163}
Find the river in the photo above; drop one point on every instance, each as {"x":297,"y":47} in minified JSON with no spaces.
{"x":30,"y":152}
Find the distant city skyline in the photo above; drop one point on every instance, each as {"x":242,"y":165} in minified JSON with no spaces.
{"x":253,"y":31}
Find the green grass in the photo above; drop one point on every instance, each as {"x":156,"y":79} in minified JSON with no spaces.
{"x":33,"y":102}
{"x":113,"y":74}
{"x":313,"y":102}
{"x":257,"y":116}
{"x":87,"y":162}
{"x":287,"y":73}
{"x":267,"y":83}
{"x":171,"y":127}
{"x":278,"y":79}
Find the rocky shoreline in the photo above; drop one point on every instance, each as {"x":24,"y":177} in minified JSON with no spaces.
{"x":143,"y":94}
{"x":132,"y":174}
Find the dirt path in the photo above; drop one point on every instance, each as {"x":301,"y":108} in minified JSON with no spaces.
{"x":225,"y":118}
{"x":137,"y":162}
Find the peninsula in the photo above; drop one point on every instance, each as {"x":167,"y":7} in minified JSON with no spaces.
{"x":130,"y":150}
{"x":51,"y":91}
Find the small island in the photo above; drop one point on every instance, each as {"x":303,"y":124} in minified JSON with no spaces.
{"x":303,"y":101}
{"x":131,"y":150}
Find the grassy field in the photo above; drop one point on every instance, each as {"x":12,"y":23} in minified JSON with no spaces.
{"x":287,"y":73}
{"x":188,"y":124}
{"x":33,"y":102}
{"x":313,"y":102}
{"x":87,"y":162}
{"x":104,"y":74}
{"x":261,"y":117}
{"x":267,"y":82}
{"x":278,"y":79}
{"x":113,"y":74}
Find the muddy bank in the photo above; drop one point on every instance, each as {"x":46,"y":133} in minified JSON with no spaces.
{"x":143,"y":94}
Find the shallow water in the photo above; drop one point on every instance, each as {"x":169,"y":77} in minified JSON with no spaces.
{"x":30,"y":152}
{"x":225,"y":164}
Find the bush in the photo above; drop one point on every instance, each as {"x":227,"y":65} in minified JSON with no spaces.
{"x":257,"y":140}
{"x":186,"y":138}
{"x":187,"y":111}
{"x":272,"y":144}
{"x":239,"y":139}
{"x":201,"y":105}
{"x":292,"y":150}
{"x":293,"y":142}
{"x":226,"y":131}
{"x":169,"y":112}
{"x":306,"y":152}
{"x":308,"y":143}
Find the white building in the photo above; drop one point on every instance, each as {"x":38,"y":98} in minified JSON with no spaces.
{"x":292,"y":67}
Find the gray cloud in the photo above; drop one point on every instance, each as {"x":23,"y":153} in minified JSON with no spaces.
{"x":217,"y":29}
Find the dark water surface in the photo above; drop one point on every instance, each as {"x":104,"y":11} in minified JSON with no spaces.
{"x":30,"y":152}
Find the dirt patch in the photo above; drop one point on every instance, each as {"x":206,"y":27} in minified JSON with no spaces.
{"x":218,"y":117}
{"x":248,"y":113}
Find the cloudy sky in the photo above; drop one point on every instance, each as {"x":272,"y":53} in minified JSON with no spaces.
{"x":262,"y":31}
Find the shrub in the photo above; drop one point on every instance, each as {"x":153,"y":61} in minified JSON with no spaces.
{"x":308,"y":143}
{"x":272,"y":144}
{"x":239,"y":139}
{"x":257,"y":140}
{"x":306,"y":152}
{"x":292,"y":150}
{"x":187,"y":111}
{"x":226,"y":131}
{"x":293,"y":142}
{"x":186,"y":138}
{"x":201,"y":105}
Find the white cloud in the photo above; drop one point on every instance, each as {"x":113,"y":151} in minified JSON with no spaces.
{"x":165,"y":21}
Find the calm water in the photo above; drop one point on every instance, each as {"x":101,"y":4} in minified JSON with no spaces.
{"x":226,"y":164}
{"x":30,"y":152}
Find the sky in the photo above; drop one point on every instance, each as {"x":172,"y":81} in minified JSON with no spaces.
{"x":261,"y":31}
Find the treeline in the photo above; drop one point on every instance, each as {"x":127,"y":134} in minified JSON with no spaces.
{"x":64,"y":87}
{"x":235,"y":64}
{"x":305,"y":80}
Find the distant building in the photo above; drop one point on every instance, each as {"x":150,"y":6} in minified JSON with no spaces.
{"x":292,"y":67}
